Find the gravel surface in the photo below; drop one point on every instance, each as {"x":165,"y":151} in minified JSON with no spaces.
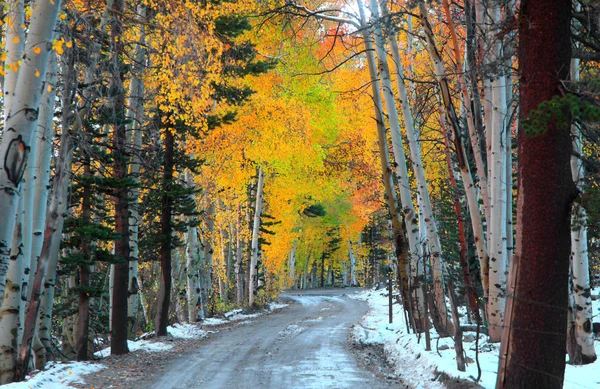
{"x":305,"y":346}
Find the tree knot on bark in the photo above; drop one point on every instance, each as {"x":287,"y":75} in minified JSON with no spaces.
{"x":15,"y":159}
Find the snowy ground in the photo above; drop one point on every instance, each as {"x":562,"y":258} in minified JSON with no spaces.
{"x":61,"y":375}
{"x":418,"y":367}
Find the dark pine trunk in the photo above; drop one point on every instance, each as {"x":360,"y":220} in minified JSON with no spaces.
{"x":164,"y":294}
{"x":322,"y":270}
{"x":118,"y":341}
{"x":535,"y":340}
{"x":84,"y":271}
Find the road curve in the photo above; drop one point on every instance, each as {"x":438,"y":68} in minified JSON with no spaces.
{"x":302,"y":346}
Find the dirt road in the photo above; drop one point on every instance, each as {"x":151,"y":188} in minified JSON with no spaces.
{"x":303,"y":346}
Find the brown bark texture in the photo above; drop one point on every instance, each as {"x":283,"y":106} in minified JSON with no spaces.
{"x":164,"y":294}
{"x":118,"y":341}
{"x":536,"y":334}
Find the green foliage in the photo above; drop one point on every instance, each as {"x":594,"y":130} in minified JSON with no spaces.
{"x":560,"y":110}
{"x":315,"y":210}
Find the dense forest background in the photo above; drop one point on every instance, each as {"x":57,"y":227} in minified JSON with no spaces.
{"x":168,"y":161}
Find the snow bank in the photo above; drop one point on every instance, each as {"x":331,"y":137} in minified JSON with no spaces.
{"x":57,"y":376}
{"x":141,"y":345}
{"x":418,"y":367}
{"x":237,"y":315}
{"x":186,"y":331}
{"x":274,"y":306}
{"x":309,"y":300}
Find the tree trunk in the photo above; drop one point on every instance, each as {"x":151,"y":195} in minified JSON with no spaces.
{"x":445,"y":326}
{"x":12,"y":305}
{"x":13,"y":47}
{"x":453,"y":121}
{"x":352,"y":265}
{"x":462,"y":239}
{"x":206,"y":263}
{"x":497,"y":206}
{"x":81,"y":346}
{"x":21,"y":122}
{"x":584,"y":337}
{"x":535,"y":335}
{"x":118,"y":340}
{"x":292,"y":264}
{"x":166,"y":230}
{"x":53,"y":221}
{"x":135,"y":114}
{"x":392,"y":202}
{"x":239,"y":273}
{"x":255,"y":232}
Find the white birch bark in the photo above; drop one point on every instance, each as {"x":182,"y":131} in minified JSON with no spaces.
{"x":44,"y":135}
{"x":498,"y":206}
{"x":21,"y":121}
{"x":391,"y":198}
{"x":11,"y":311}
{"x":135,"y":114}
{"x":401,"y":169}
{"x":579,"y":250}
{"x":292,"y":264}
{"x":192,"y":251}
{"x":255,"y":234}
{"x":13,"y":47}
{"x":410,"y":220}
{"x":239,"y":280}
{"x":206,"y":259}
{"x":470,"y":189}
{"x":466,"y":95}
{"x":352,"y":264}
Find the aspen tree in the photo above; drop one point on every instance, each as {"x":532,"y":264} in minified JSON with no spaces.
{"x":21,"y":121}
{"x":135,"y":114}
{"x":579,"y":251}
{"x":255,"y":233}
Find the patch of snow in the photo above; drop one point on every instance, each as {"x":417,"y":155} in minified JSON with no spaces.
{"x":274,"y":305}
{"x":214,"y":321}
{"x":407,"y":352}
{"x":310,"y":300}
{"x":186,"y":331}
{"x":320,"y":318}
{"x":290,"y":330}
{"x":57,"y":376}
{"x":237,"y":315}
{"x":142,"y":345}
{"x":234,"y":312}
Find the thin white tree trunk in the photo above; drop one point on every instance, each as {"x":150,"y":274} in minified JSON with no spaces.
{"x":352,"y":264}
{"x":473,"y":207}
{"x":292,"y":264}
{"x":498,"y":207}
{"x":401,"y":169}
{"x":192,"y":251}
{"x":255,"y":234}
{"x":473,"y":134}
{"x":11,"y":312}
{"x":206,"y":288}
{"x":239,"y":279}
{"x":13,"y":47}
{"x":391,"y":198}
{"x":450,"y":114}
{"x":135,"y":114}
{"x":45,"y":133}
{"x":579,"y":250}
{"x":21,"y":121}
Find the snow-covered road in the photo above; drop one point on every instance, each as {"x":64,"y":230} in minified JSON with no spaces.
{"x":303,"y":346}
